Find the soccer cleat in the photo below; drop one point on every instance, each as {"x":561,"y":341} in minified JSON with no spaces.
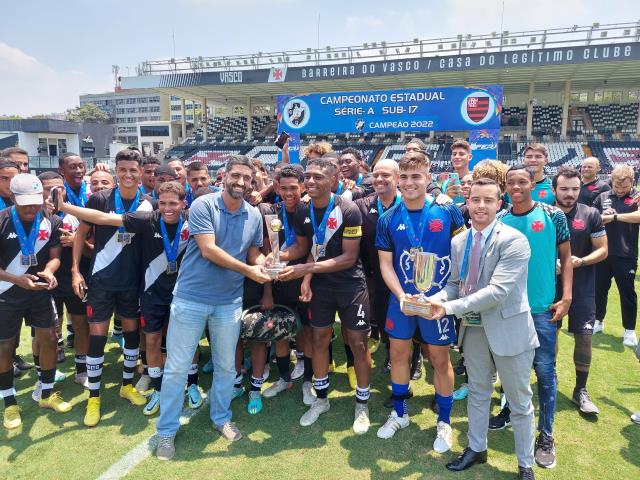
{"x":373,"y":344}
{"x":320,"y":406}
{"x":351,"y":375}
{"x":280,"y":386}
{"x":92,"y":415}
{"x":60,"y":356}
{"x":584,"y":402}
{"x":36,"y":395}
{"x":194,"y":396}
{"x":266,"y":373}
{"x":332,"y":366}
{"x":165,"y":449}
{"x":361,"y":421}
{"x":393,"y":424}
{"x":500,"y":421}
{"x":298,"y":370}
{"x":254,"y":406}
{"x":12,"y":417}
{"x":635,"y":418}
{"x":59,"y":377}
{"x":118,"y":338}
{"x":82,"y":379}
{"x":55,"y":402}
{"x":131,"y":394}
{"x":461,"y":393}
{"x":237,"y":392}
{"x":444,"y":438}
{"x":629,"y":339}
{"x":143,"y":385}
{"x":460,"y":369}
{"x":545,"y":453}
{"x":70,"y":340}
{"x":230,"y":432}
{"x":308,"y":394}
{"x":153,"y":405}
{"x":208,"y":367}
{"x":598,"y":326}
{"x":21,"y":364}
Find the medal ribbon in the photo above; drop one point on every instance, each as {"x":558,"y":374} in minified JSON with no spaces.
{"x":80,"y":201}
{"x":289,"y":233}
{"x":170,"y":249}
{"x":27,"y":245}
{"x":120,"y":206}
{"x":395,"y":202}
{"x":320,"y":230}
{"x":415,"y":240}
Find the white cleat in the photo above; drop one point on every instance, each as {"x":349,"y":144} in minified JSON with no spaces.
{"x":308,"y":394}
{"x":393,"y":424}
{"x":361,"y":421}
{"x":444,"y":438}
{"x":629,"y":339}
{"x":320,"y":406}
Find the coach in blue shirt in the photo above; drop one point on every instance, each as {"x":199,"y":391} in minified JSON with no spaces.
{"x":226,"y":236}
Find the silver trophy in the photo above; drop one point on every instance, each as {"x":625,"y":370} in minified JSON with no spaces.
{"x":425,"y":270}
{"x":274,"y":226}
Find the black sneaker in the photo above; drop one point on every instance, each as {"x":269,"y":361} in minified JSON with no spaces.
{"x":21,"y":364}
{"x":460,"y":368}
{"x":500,"y":421}
{"x":545,"y":454}
{"x":525,"y":473}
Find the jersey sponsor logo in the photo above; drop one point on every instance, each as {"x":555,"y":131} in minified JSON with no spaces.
{"x":401,"y":227}
{"x":537,"y":226}
{"x":578,"y":224}
{"x":11,"y":236}
{"x":436,"y":225}
{"x":352,"y":231}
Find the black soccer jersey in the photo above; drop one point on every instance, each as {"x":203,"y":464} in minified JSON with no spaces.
{"x":344,"y":221}
{"x":590,"y":191}
{"x":5,"y":202}
{"x":115,"y":266}
{"x":63,"y":275}
{"x":157,"y":285}
{"x":371,"y":212}
{"x":48,"y":236}
{"x":622,"y":237}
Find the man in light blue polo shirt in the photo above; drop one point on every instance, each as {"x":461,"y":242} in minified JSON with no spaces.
{"x":226,"y":237}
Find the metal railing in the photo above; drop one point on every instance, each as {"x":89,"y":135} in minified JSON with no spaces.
{"x":416,"y":48}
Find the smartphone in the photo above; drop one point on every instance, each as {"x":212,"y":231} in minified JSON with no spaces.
{"x":55,"y":193}
{"x":282,"y":139}
{"x":454,"y":178}
{"x":41,"y":284}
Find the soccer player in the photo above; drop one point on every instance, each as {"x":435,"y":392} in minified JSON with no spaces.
{"x":621,"y":217}
{"x":149,"y":165}
{"x":591,"y":187}
{"x":588,"y":247}
{"x":177,"y":166}
{"x":29,"y":258}
{"x":460,"y":158}
{"x":349,"y":163}
{"x":8,"y":170}
{"x":334,"y":283}
{"x":114,"y":280}
{"x":417,"y":145}
{"x":100,"y":180}
{"x":164,"y":234}
{"x":198,"y":176}
{"x":535,"y":155}
{"x":417,"y":224}
{"x":545,"y":226}
{"x":19,"y":156}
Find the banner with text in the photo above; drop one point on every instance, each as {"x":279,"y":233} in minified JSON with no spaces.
{"x":484,"y":145}
{"x":452,"y":108}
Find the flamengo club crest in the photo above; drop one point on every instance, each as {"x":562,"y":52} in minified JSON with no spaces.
{"x":477,"y":108}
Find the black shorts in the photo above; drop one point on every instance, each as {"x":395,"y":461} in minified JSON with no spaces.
{"x":102,"y":303}
{"x":380,"y":303}
{"x":283,"y":296}
{"x":153,"y":317}
{"x":352,"y":306}
{"x":38,"y":313}
{"x":582,"y":317}
{"x":72,"y":303}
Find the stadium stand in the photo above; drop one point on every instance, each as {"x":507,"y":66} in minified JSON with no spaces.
{"x":613,"y":117}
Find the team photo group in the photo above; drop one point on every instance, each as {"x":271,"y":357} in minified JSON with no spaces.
{"x":282,"y":268}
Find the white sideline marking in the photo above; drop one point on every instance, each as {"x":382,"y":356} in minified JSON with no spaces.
{"x":145,"y":448}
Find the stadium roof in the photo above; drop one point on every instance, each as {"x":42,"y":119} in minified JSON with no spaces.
{"x":599,"y":56}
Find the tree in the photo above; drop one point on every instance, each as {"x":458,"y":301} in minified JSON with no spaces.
{"x":88,"y":112}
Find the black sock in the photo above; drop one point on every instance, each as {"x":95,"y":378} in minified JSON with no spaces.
{"x":330,"y":353}
{"x":36,"y":362}
{"x":321,"y":386}
{"x":349,"y":354}
{"x":283,"y":367}
{"x":143,"y":359}
{"x":163,"y":345}
{"x":256,"y":383}
{"x":95,"y":360}
{"x":582,"y":359}
{"x":130,"y":350}
{"x":156,"y":377}
{"x":7,"y":392}
{"x":308,"y":369}
{"x":47,"y":378}
{"x":81,"y":364}
{"x":192,"y":376}
{"x":117,"y":326}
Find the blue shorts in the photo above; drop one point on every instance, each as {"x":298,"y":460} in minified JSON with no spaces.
{"x":403,"y":327}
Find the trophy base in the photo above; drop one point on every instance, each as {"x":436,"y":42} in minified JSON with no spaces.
{"x":415,"y":307}
{"x":274,"y":270}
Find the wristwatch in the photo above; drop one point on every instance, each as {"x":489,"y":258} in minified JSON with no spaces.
{"x":615,"y":217}
{"x":582,"y":262}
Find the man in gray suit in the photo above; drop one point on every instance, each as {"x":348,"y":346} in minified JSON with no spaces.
{"x":487,"y":289}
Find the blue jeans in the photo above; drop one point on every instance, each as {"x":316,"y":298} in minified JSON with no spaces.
{"x":544,"y":363}
{"x":186,"y":325}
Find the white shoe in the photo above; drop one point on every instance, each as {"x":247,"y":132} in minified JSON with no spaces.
{"x":598,"y":327}
{"x":37,"y":392}
{"x":393,"y":424}
{"x":308,"y":394}
{"x":320,"y":406}
{"x":629,"y":339}
{"x":444,"y":439}
{"x":635,"y":418}
{"x":143,"y":385}
{"x":361,"y":421}
{"x":267,"y":371}
{"x":276,"y":388}
{"x":298,"y":370}
{"x":82,"y":379}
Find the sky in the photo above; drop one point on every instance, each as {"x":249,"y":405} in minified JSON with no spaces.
{"x":52,"y":52}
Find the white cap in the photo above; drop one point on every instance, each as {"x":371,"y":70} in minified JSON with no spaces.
{"x":27,"y":189}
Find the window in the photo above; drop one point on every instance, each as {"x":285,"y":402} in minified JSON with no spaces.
{"x":634,"y":95}
{"x":154,"y":131}
{"x":154,"y":99}
{"x":175,"y":108}
{"x":131,"y":110}
{"x":131,"y":101}
{"x":597,"y":96}
{"x":119,"y":110}
{"x":612,"y":97}
{"x":154,"y":118}
{"x":579,"y":97}
{"x":154,"y":109}
{"x":119,"y":101}
{"x":142,"y":99}
{"x":143,"y":109}
{"x":176,"y":117}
